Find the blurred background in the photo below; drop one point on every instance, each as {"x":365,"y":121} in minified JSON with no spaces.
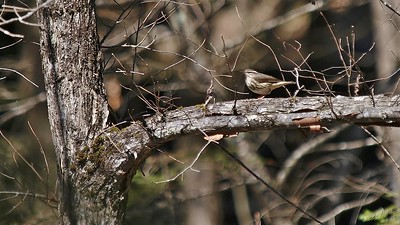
{"x":162,"y":55}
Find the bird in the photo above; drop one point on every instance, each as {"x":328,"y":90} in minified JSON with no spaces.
{"x":263,"y":84}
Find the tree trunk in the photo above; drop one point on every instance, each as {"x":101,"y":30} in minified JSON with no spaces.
{"x":95,"y":164}
{"x":77,"y":106}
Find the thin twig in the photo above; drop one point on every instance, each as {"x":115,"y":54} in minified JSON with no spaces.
{"x":236,"y":159}
{"x":21,"y":156}
{"x":383,"y":147}
{"x":187,"y":168}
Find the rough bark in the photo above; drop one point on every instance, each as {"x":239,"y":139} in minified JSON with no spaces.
{"x":271,"y":113}
{"x":117,"y":154}
{"x":95,"y":164}
{"x":76,"y":100}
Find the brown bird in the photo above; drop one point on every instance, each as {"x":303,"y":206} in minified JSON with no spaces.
{"x":263,"y":84}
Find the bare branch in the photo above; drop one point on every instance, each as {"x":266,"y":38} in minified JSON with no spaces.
{"x":20,"y":107}
{"x":189,"y":167}
{"x":11,"y":70}
{"x":20,"y":18}
{"x":383,"y":147}
{"x":272,"y":113}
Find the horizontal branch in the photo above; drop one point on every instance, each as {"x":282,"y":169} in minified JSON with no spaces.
{"x":272,"y":113}
{"x":138,"y":139}
{"x":120,"y":152}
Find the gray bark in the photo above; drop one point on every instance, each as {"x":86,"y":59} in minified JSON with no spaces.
{"x":117,"y":154}
{"x":96,"y":164}
{"x":271,"y":113}
{"x":76,"y":101}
